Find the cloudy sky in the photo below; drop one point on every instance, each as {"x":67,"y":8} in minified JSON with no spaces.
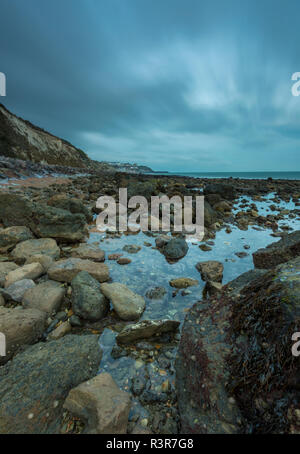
{"x":180,"y":85}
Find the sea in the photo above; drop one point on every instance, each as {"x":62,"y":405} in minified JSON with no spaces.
{"x":294,"y":175}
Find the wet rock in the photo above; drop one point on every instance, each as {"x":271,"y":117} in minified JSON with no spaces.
{"x":101,"y":405}
{"x":88,"y":252}
{"x":71,"y":204}
{"x":127,"y":304}
{"x":66,"y":270}
{"x":222,"y":207}
{"x":146,"y":329}
{"x":29,"y":248}
{"x":241,"y":255}
{"x":13,"y":235}
{"x":32,"y":271}
{"x":60,"y":331}
{"x":5,"y":268}
{"x":235,"y":287}
{"x":175,"y":249}
{"x":205,"y":247}
{"x":44,"y":260}
{"x":46,"y":297}
{"x":124,"y":261}
{"x":162,"y":240}
{"x":212,"y":288}
{"x":20,"y":327}
{"x":210,"y":215}
{"x":43,"y":375}
{"x":87,"y":300}
{"x":183,"y":282}
{"x":17,"y":290}
{"x":132,"y":248}
{"x":44,"y":221}
{"x":156,"y":293}
{"x":75,"y":321}
{"x":211,"y":270}
{"x":279,"y":252}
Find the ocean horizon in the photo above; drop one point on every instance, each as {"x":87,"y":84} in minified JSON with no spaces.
{"x":263,"y":175}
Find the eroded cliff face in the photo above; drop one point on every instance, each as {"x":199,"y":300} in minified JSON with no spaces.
{"x":20,"y":139}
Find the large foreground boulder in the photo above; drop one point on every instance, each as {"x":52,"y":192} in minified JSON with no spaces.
{"x":46,"y":297}
{"x":101,"y":405}
{"x":43,"y":220}
{"x":279,"y":252}
{"x":235,"y":368}
{"x":29,"y":248}
{"x":35,"y":384}
{"x":20,"y":327}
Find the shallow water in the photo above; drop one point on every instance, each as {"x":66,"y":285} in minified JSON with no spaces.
{"x":149,"y":269}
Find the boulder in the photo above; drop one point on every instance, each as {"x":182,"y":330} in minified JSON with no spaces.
{"x":44,"y":246}
{"x":13,"y":235}
{"x":45,"y":260}
{"x":5,"y":268}
{"x":35,"y":384}
{"x":17,"y":290}
{"x":183,"y":282}
{"x":175,"y":249}
{"x":146,"y":329}
{"x":46,"y":297}
{"x":127,"y":304}
{"x":70,"y":204}
{"x":101,"y":405}
{"x":87,"y":300}
{"x":32,"y":271}
{"x":211,"y":270}
{"x":235,"y":287}
{"x":132,"y":248}
{"x":279,"y":252}
{"x":43,"y":220}
{"x":21,"y":328}
{"x":66,"y":270}
{"x":210,"y":215}
{"x":88,"y":252}
{"x":226,"y":191}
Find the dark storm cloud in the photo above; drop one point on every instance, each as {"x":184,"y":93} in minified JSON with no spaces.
{"x":179,"y":85}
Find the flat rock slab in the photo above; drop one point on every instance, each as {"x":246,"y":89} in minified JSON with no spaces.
{"x":5,"y":268}
{"x":31,"y":271}
{"x":127,"y":304}
{"x":20,"y":327}
{"x":279,"y":252}
{"x":146,"y":329}
{"x":101,"y":404}
{"x":44,"y":246}
{"x":46,"y":297}
{"x":211,"y":270}
{"x":13,"y":235}
{"x":88,"y":252}
{"x":66,"y":270}
{"x":17,"y":290}
{"x":183,"y":282}
{"x":35,"y":384}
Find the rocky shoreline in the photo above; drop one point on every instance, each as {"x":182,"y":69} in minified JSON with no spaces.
{"x":227,"y":368}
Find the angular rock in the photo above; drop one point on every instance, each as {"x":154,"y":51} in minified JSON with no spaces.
{"x":5,"y":268}
{"x":43,"y":375}
{"x":43,"y":220}
{"x":60,"y":331}
{"x":43,"y":246}
{"x":66,"y":270}
{"x":32,"y":271}
{"x":210,"y":215}
{"x":88,"y":252}
{"x":132,"y":248}
{"x":45,"y":260}
{"x":235,"y":287}
{"x":156,"y":293}
{"x":146,"y":329}
{"x":87,"y":300}
{"x":279,"y":252}
{"x":101,"y":405}
{"x":20,"y":327}
{"x":127,"y":304}
{"x":46,"y":297}
{"x":17,"y":290}
{"x":175,"y":249}
{"x":183,"y":282}
{"x":13,"y":235}
{"x":70,"y":204}
{"x":211,"y":270}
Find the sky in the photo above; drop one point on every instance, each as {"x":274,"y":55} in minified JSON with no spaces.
{"x":178,"y":85}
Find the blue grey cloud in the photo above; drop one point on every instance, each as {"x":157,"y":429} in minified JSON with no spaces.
{"x":178,"y":85}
